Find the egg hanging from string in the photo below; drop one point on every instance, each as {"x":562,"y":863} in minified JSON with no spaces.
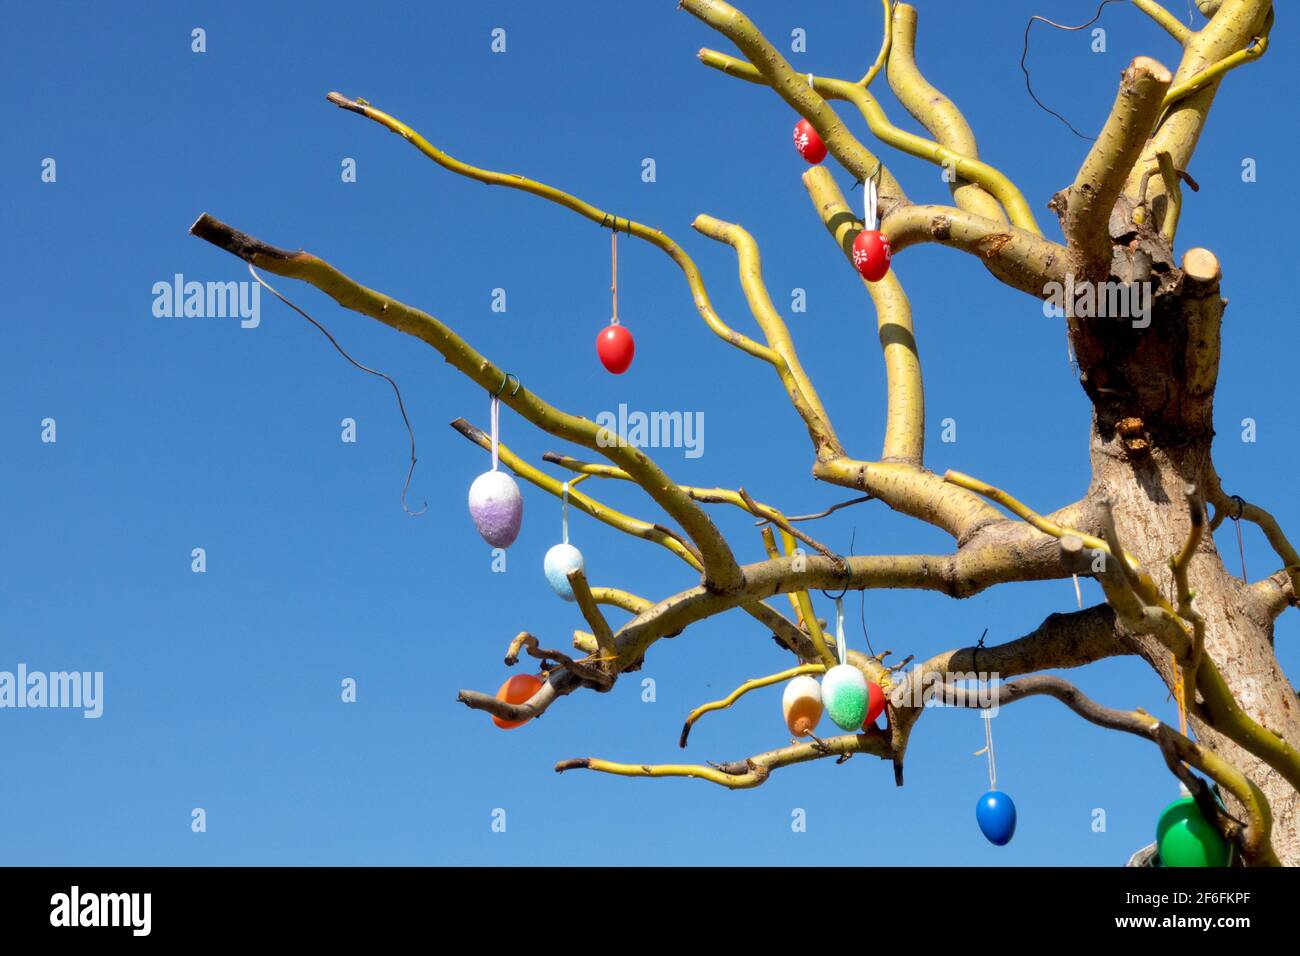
{"x":559,"y":561}
{"x":495,"y":502}
{"x":517,"y":690}
{"x":616,"y":347}
{"x":562,"y":559}
{"x":875,"y":704}
{"x":497,"y":507}
{"x":871,"y":254}
{"x":808,"y":143}
{"x":1185,"y":838}
{"x":801,"y":703}
{"x":844,"y":695}
{"x":996,"y":816}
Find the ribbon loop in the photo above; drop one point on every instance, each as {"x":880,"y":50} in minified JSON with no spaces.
{"x":564,"y":513}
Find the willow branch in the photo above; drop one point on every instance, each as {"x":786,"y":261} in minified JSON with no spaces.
{"x":1167,"y":21}
{"x":965,"y":167}
{"x":936,"y":113}
{"x":885,"y":43}
{"x":1222,"y":43}
{"x":742,"y":690}
{"x":1257,"y":47}
{"x":591,"y":613}
{"x":1019,"y":258}
{"x":781,"y":627}
{"x":800,"y":599}
{"x":905,"y":393}
{"x":771,"y":68}
{"x":797,"y":384}
{"x":655,"y":237}
{"x":1089,"y":201}
{"x":636,"y":527}
{"x":1253,"y":840}
{"x":527,"y":642}
{"x":740,"y":498}
{"x":1225,"y":506}
{"x":741,"y":774}
{"x":558,"y":684}
{"x":1180,"y":566}
{"x":720,"y":568}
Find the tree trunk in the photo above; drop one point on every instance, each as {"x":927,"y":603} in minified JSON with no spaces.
{"x":1152,"y":389}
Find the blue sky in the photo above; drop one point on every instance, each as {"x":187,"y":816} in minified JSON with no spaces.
{"x":222,"y":689}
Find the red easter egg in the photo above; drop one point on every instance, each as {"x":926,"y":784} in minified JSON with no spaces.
{"x":875,"y":704}
{"x":871,"y":254}
{"x":516,"y":690}
{"x":808,"y":143}
{"x":615,"y":347}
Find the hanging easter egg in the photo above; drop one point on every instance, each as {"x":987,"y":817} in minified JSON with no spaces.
{"x":559,"y":561}
{"x":802,"y":705}
{"x":517,"y":690}
{"x":871,"y":254}
{"x":615,"y":347}
{"x":875,"y":704}
{"x":996,"y":815}
{"x":1185,"y":838}
{"x":844,"y":695}
{"x":497,"y":508}
{"x":808,"y":143}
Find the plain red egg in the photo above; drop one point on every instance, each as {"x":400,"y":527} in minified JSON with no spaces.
{"x":875,"y":703}
{"x":615,"y":347}
{"x":808,"y":143}
{"x":516,"y":691}
{"x":871,"y":254}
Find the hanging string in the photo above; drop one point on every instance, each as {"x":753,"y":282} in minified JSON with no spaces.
{"x":564,"y":513}
{"x":862,"y":616}
{"x":1078,"y":594}
{"x":1236,"y":523}
{"x":613,"y":270}
{"x":1025,"y":68}
{"x":841,"y":649}
{"x":401,"y":406}
{"x":988,"y":749}
{"x":494,"y":416}
{"x":869,"y":200}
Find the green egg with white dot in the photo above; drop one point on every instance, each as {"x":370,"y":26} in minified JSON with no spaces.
{"x":844,"y":694}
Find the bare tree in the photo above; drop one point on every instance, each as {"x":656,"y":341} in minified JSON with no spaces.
{"x":1140,"y":530}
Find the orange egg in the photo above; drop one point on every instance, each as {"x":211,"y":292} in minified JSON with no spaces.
{"x":802,"y":705}
{"x":516,"y":690}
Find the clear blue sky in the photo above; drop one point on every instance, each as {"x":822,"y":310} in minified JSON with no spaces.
{"x":223,"y":689}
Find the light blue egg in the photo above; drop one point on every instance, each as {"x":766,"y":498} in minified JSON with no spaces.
{"x":559,"y":561}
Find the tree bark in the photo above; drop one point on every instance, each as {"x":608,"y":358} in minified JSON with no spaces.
{"x":1152,"y":389}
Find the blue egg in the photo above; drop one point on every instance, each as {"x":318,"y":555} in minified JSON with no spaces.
{"x":559,"y":561}
{"x":996,"y":815}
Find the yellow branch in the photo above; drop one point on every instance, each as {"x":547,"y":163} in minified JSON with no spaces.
{"x":653,"y":236}
{"x":1170,"y":23}
{"x":749,"y":685}
{"x":965,"y":167}
{"x":905,"y":407}
{"x":800,"y":388}
{"x":935,"y":112}
{"x":742,"y":774}
{"x":720,"y":566}
{"x":885,"y":43}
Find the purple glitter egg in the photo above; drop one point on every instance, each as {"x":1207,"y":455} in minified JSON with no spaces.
{"x":497,"y":508}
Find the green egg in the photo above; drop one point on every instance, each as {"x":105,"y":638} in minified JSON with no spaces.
{"x":844,"y":693}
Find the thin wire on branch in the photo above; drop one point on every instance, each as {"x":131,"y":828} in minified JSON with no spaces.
{"x":401,"y":405}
